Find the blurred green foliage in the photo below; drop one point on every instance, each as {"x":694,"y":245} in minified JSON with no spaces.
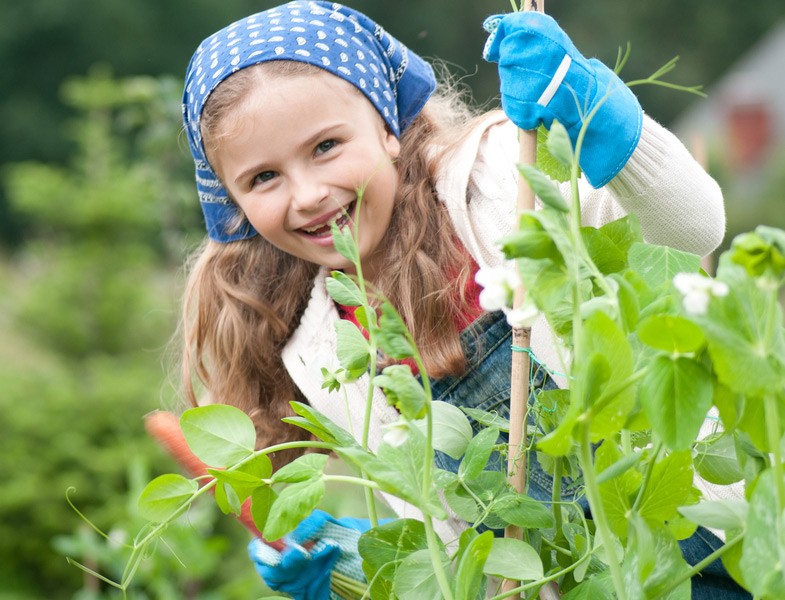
{"x":89,"y":302}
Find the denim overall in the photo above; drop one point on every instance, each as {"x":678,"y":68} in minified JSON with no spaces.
{"x":486,"y":385}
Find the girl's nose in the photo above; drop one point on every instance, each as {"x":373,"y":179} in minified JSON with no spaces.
{"x":308,"y":193}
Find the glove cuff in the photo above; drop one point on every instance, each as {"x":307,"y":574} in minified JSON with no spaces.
{"x":614,"y":131}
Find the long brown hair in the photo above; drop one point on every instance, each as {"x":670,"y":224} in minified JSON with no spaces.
{"x":244,"y":299}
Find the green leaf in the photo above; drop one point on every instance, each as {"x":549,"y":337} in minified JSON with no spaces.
{"x":658,"y":264}
{"x":262,"y":500}
{"x":746,"y":341}
{"x":523,"y":511}
{"x":164,"y":495}
{"x":561,"y":440}
{"x":332,"y":380}
{"x":621,"y":466}
{"x":471,"y":559}
{"x":762,"y":549}
{"x":543,"y":187}
{"x":391,"y":543}
{"x":452,"y":431}
{"x":676,"y":394}
{"x":343,"y":289}
{"x":513,"y":559}
{"x":218,"y":434}
{"x":488,"y":419}
{"x":487,"y":487}
{"x":398,"y":470}
{"x":616,"y":493}
{"x":462,"y":502}
{"x":718,"y":514}
{"x":546,"y":162}
{"x":293,"y":504}
{"x":605,"y":345}
{"x":344,"y":242}
{"x":403,"y":390}
{"x":559,"y":144}
{"x":353,"y":350}
{"x":597,"y":587}
{"x":715,"y":460}
{"x":303,"y":468}
{"x":392,"y":334}
{"x":669,"y":487}
{"x":761,"y":252}
{"x":604,"y":253}
{"x":672,"y":334}
{"x":243,"y":484}
{"x":327,"y":430}
{"x":415,"y":579}
{"x":623,"y":232}
{"x":478,"y":453}
{"x":629,"y":304}
{"x":530,"y":240}
{"x":652,"y":560}
{"x":227,"y":499}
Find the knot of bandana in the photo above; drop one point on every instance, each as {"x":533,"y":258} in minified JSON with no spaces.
{"x":330,"y":36}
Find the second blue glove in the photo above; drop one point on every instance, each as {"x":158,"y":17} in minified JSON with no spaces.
{"x":544,"y":77}
{"x":304,"y":573}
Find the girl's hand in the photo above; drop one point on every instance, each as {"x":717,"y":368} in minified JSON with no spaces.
{"x":544,"y":77}
{"x":319,"y":544}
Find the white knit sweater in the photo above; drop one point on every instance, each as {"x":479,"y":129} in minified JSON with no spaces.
{"x":677,"y":202}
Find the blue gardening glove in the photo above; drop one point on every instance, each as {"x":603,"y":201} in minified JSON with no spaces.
{"x":304,"y":573}
{"x":544,"y":77}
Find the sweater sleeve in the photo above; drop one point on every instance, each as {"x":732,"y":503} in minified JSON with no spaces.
{"x":677,"y":202}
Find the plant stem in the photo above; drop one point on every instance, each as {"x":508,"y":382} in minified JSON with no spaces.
{"x":367,"y":483}
{"x":370,"y":500}
{"x":773,"y":433}
{"x":556,"y":494}
{"x":698,"y":567}
{"x":598,"y":510}
{"x":610,"y":392}
{"x":626,"y":441}
{"x":646,"y":477}
{"x":436,"y":559}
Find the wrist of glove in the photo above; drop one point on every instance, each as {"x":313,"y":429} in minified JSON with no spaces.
{"x":319,"y":545}
{"x":544,"y":77}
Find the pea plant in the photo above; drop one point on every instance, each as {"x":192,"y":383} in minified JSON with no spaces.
{"x":657,"y":348}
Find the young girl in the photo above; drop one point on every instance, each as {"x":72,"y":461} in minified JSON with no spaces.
{"x":289,"y":112}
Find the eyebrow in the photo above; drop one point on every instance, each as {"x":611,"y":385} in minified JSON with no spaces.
{"x":310,"y":141}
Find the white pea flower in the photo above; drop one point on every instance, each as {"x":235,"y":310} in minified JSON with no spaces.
{"x":719,"y":289}
{"x":498,"y":285}
{"x":696,"y":302}
{"x":396,"y":433}
{"x":523,"y":316}
{"x":494,"y":298}
{"x":698,"y":291}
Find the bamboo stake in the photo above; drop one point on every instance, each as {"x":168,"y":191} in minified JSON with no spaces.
{"x":521,"y":338}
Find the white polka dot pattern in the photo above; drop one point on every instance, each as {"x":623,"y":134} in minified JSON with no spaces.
{"x":328,"y":35}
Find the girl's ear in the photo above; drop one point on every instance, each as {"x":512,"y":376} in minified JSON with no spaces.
{"x":392,"y":144}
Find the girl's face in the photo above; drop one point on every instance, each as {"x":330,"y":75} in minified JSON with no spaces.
{"x":297,"y":150}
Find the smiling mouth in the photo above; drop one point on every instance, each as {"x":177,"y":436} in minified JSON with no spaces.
{"x":341,"y":219}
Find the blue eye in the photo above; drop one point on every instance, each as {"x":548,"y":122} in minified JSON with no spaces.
{"x":264,"y":177}
{"x":325,"y":146}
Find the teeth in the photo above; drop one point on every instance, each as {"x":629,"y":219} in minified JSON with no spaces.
{"x":340,"y":219}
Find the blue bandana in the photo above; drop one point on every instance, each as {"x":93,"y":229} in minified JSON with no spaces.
{"x":328,"y":35}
